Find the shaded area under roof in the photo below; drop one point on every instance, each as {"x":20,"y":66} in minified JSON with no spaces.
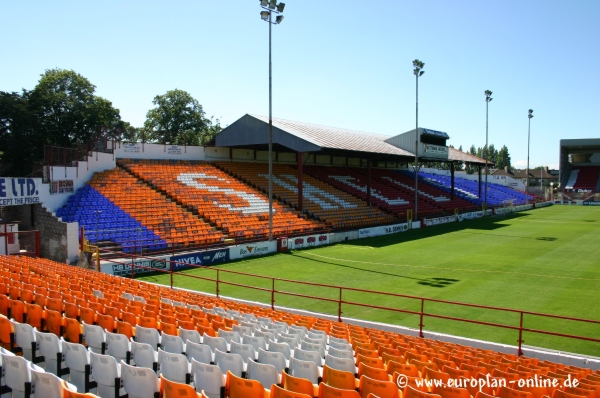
{"x":252,"y":131}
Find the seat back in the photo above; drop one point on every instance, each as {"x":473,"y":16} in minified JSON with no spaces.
{"x":229,"y":362}
{"x":304,"y":369}
{"x":173,"y":366}
{"x":172,"y":344}
{"x":277,"y":359}
{"x":139,"y":381}
{"x":51,"y":385}
{"x":238,"y":387}
{"x":172,"y":389}
{"x":264,"y":373}
{"x":255,"y":341}
{"x":327,"y":391}
{"x":148,"y":336}
{"x":318,"y":347}
{"x":245,"y":350}
{"x":208,"y":378}
{"x":229,"y":336}
{"x":312,"y":356}
{"x":345,"y":364}
{"x":144,"y":355}
{"x":339,"y":378}
{"x":94,"y":337}
{"x":190,"y":335}
{"x":283,"y":348}
{"x":105,"y":369}
{"x":298,"y":385}
{"x":215,"y":343}
{"x":200,"y":352}
{"x":25,"y":337}
{"x":50,"y":345}
{"x":117,"y":345}
{"x":340,"y":353}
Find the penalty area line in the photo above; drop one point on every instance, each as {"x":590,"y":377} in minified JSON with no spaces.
{"x":450,"y":269}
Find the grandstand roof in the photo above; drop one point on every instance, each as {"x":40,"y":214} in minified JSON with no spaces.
{"x":252,"y":131}
{"x":460,"y":156}
{"x":583,"y":144}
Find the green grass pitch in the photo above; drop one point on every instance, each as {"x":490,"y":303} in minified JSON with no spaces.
{"x":545,"y":260}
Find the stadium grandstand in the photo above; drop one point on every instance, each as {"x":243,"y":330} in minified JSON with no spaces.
{"x":580,"y":170}
{"x":70,"y":331}
{"x":208,"y":202}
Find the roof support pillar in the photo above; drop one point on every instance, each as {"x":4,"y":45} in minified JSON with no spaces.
{"x":300,"y":181}
{"x":231,"y":154}
{"x":451,"y":180}
{"x":368,"y":182}
{"x":479,"y":185}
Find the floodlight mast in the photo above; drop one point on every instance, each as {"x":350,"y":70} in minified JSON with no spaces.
{"x":270,"y":7}
{"x":530,"y":115}
{"x":418,"y":71}
{"x":488,"y":99}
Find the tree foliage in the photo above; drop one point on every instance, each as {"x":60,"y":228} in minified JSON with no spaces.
{"x":178,"y":119}
{"x":61,"y":110}
{"x":503,"y":158}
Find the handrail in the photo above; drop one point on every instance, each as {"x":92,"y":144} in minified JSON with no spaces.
{"x":422,"y":313}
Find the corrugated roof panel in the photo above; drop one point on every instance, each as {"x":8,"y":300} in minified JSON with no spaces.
{"x":337,"y":138}
{"x":455,"y":154}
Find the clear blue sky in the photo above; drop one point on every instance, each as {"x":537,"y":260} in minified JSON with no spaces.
{"x":336,"y":63}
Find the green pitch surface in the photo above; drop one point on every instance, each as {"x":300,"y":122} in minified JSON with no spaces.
{"x":545,"y":260}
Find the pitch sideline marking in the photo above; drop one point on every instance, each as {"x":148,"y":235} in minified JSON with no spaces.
{"x":453,"y":269}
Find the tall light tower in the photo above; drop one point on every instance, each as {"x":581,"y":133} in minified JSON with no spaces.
{"x":270,"y":7}
{"x":418,"y":71}
{"x":530,"y":115}
{"x":488,"y":99}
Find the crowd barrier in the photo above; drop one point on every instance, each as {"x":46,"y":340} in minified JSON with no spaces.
{"x":421,"y":308}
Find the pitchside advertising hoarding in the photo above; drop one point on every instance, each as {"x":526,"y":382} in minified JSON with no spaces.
{"x":385,"y":230}
{"x":205,"y":258}
{"x":19,"y":191}
{"x":142,"y":266}
{"x":252,"y":249}
{"x":308,"y":241}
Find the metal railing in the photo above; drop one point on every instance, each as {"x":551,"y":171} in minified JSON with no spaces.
{"x":21,"y":243}
{"x":423,"y":304}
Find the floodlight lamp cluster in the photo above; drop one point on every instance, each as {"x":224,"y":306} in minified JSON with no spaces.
{"x":418,"y":65}
{"x":530,"y":113}
{"x":271,"y":6}
{"x":488,"y":95}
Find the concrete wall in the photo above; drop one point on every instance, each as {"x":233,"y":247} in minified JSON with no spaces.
{"x":138,"y":150}
{"x":80,"y":174}
{"x":59,"y":240}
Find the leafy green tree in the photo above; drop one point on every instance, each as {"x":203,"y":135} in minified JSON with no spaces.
{"x":68,"y":112}
{"x":179,"y":119}
{"x":17,"y":138}
{"x":503,"y":158}
{"x":61,"y":110}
